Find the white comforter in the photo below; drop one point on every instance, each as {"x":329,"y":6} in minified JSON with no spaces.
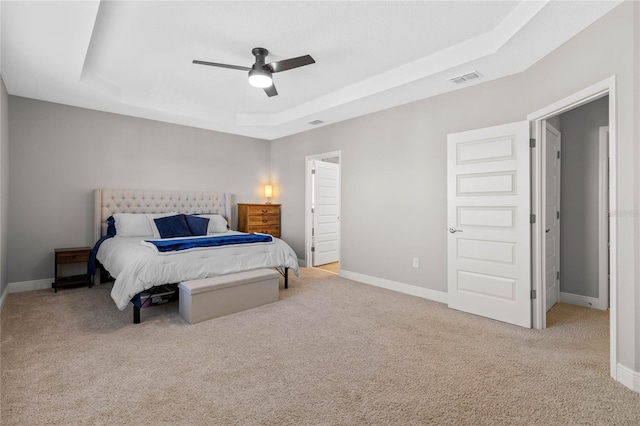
{"x":136,"y":267}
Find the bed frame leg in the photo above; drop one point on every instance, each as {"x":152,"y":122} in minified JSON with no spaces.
{"x":286,"y":278}
{"x":136,"y":314}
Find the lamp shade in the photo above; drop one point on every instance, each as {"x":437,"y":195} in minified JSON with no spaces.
{"x":268,"y":191}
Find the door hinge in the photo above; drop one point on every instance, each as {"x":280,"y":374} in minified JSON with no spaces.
{"x":558,"y":154}
{"x":313,"y":232}
{"x":313,"y":171}
{"x":313,"y":249}
{"x":312,"y":210}
{"x":532,"y":143}
{"x":557,"y":275}
{"x":532,"y":218}
{"x":558,"y":214}
{"x":533,"y":294}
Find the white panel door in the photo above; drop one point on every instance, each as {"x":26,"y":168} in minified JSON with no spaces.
{"x":552,"y":216}
{"x":326,"y":207}
{"x":489,"y":246}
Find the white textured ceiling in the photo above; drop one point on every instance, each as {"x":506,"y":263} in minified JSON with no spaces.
{"x":134,"y":58}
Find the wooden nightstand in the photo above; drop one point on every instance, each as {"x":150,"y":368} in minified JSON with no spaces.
{"x":263,"y":218}
{"x":71,"y":255}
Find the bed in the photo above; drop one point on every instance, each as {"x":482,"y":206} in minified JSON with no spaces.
{"x":135,"y":259}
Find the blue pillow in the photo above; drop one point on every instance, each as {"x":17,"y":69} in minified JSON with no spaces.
{"x":111,"y":226}
{"x":197,"y":225}
{"x":173,"y":226}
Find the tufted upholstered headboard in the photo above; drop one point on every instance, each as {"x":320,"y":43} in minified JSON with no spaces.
{"x":110,"y":201}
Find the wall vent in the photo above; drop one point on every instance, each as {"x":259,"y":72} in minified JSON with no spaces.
{"x":465,"y":77}
{"x":316,"y":122}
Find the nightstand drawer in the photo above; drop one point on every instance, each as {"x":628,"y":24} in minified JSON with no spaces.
{"x":72,"y":257}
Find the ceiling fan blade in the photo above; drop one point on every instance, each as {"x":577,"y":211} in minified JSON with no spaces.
{"x":214,"y":64}
{"x":288,"y":64}
{"x":271,"y":90}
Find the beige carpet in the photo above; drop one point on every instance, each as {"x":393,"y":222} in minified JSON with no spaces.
{"x":330,"y":352}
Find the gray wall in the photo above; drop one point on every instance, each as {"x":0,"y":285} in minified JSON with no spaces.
{"x":59,"y":154}
{"x":4,"y":184}
{"x":579,"y":208}
{"x":393,"y":163}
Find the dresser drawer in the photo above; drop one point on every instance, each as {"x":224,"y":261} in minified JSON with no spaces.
{"x":263,"y":210}
{"x":263,"y":220}
{"x":271,"y":230}
{"x":71,"y":257}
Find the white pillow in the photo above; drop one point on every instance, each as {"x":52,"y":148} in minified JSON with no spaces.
{"x":152,"y":224}
{"x":217,"y":223}
{"x":132,"y":225}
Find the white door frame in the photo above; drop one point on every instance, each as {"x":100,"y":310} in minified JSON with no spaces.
{"x":596,"y":91}
{"x":308,"y":219}
{"x":603,"y":218}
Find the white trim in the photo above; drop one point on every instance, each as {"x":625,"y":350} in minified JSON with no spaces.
{"x":3,"y":297}
{"x":603,"y":217}
{"x":586,"y":301}
{"x":302,"y":263}
{"x":30,"y":285}
{"x":613,"y":228}
{"x":307,"y":201}
{"x":595,"y":91}
{"x":629,"y":377}
{"x":591,"y":93}
{"x":425,"y":293}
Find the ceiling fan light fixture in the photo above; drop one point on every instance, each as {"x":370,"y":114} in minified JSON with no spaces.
{"x":260,"y":74}
{"x":260,"y":78}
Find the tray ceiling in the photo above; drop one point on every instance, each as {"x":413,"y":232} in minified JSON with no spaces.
{"x":134,"y":58}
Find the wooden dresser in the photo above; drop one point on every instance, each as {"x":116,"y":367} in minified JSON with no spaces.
{"x":263,"y":218}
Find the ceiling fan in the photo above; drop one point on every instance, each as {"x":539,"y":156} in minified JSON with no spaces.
{"x":260,"y":73}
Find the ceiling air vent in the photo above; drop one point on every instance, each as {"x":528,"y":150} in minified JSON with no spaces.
{"x":316,"y":122}
{"x":465,"y":77}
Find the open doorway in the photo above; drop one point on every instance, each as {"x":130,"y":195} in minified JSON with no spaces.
{"x":577,"y":196}
{"x":322,"y":217}
{"x":601,"y":184}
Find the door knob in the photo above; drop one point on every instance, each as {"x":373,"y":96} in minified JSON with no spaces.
{"x":454,"y":230}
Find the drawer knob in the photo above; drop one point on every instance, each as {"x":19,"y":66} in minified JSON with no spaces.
{"x":265,"y":211}
{"x":265,"y":220}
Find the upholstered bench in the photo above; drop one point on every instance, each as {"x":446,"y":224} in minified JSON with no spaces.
{"x":214,"y":297}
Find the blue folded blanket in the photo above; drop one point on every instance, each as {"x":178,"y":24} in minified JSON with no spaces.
{"x":190,"y":243}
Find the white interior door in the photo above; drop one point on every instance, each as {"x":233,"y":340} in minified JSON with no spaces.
{"x":489,"y":246}
{"x":551,"y":141}
{"x":325,"y":207}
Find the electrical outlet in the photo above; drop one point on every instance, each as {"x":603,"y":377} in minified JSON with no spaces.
{"x":416,"y":262}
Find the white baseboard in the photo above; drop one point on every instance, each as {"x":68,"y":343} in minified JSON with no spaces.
{"x":302,"y":263}
{"x":587,"y":302}
{"x":3,"y":297}
{"x":30,"y":285}
{"x":425,"y":293}
{"x":629,"y":378}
